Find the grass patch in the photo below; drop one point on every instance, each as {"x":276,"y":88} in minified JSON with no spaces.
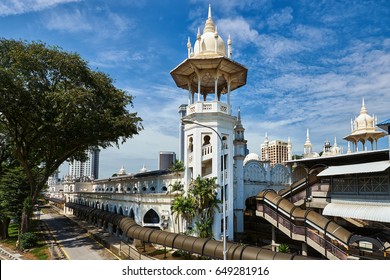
{"x":40,"y":250}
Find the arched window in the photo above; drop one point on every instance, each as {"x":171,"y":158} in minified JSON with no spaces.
{"x":190,"y":144}
{"x":151,"y":217}
{"x":206,"y":140}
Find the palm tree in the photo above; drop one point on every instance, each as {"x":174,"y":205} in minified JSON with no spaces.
{"x":177,"y":167}
{"x":184,"y":207}
{"x":204,"y":191}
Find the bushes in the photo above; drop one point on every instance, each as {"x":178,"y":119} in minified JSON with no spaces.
{"x":28,"y":240}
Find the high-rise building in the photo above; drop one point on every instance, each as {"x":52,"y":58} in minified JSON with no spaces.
{"x":165,"y":160}
{"x":85,"y":169}
{"x":276,"y":151}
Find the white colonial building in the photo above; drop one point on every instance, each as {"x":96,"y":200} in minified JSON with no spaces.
{"x":212,"y":144}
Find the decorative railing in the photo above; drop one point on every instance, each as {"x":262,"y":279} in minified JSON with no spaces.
{"x":211,"y":106}
{"x":206,"y":150}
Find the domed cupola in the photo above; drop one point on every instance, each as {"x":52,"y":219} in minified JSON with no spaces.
{"x":209,"y":43}
{"x":335,"y":150}
{"x":364,"y":120}
{"x":252,"y":157}
{"x":363,"y":129}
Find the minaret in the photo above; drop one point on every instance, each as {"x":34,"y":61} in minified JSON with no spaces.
{"x":289,"y":149}
{"x":209,"y":124}
{"x":266,"y":147}
{"x":307,"y":147}
{"x":239,"y":156}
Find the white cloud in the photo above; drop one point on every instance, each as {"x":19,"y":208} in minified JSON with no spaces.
{"x":97,"y":26}
{"x":277,"y":20}
{"x":75,"y":21}
{"x":240,"y":30}
{"x":14,"y":7}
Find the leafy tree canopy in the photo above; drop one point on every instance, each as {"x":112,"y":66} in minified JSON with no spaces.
{"x":54,"y":107}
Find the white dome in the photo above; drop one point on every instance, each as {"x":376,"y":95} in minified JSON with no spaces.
{"x":205,"y":43}
{"x":143,"y":169}
{"x":364,"y":120}
{"x":252,"y":157}
{"x":122,"y":171}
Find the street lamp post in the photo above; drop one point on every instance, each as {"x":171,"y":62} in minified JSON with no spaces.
{"x":223,"y":182}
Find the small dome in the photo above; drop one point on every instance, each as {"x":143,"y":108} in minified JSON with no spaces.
{"x":335,"y":150}
{"x":205,"y":43}
{"x":143,"y":169}
{"x":122,"y":171}
{"x":364,"y":121}
{"x":252,"y":157}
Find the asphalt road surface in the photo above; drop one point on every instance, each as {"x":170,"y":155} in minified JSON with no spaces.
{"x":74,"y":240}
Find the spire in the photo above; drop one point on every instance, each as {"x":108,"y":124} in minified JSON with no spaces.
{"x":238,"y":121}
{"x":238,"y":128}
{"x":363,"y":110}
{"x":209,"y":26}
{"x":307,"y":147}
{"x":307,"y":138}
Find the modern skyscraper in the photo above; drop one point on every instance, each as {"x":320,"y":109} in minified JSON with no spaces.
{"x":276,"y":151}
{"x":85,"y":169}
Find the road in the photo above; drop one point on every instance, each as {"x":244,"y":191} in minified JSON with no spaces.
{"x":75,"y":241}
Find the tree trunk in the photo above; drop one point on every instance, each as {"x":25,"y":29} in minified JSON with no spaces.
{"x":4,"y":224}
{"x":24,"y":222}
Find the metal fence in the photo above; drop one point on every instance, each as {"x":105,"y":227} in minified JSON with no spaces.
{"x":128,"y":251}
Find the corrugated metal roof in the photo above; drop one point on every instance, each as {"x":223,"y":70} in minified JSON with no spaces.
{"x":379,"y":213}
{"x":369,"y":167}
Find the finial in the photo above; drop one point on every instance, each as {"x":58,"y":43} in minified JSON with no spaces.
{"x":239,"y":113}
{"x":209,"y":26}
{"x":307,"y":133}
{"x":189,"y":47}
{"x":363,"y":110}
{"x":229,"y":47}
{"x":198,"y":35}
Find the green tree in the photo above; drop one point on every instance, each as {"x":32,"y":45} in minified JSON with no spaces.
{"x":54,"y":107}
{"x":204,"y":191}
{"x":177,"y":168}
{"x":184,"y":207}
{"x":14,"y":191}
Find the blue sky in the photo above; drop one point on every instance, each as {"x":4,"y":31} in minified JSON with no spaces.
{"x":310,"y":62}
